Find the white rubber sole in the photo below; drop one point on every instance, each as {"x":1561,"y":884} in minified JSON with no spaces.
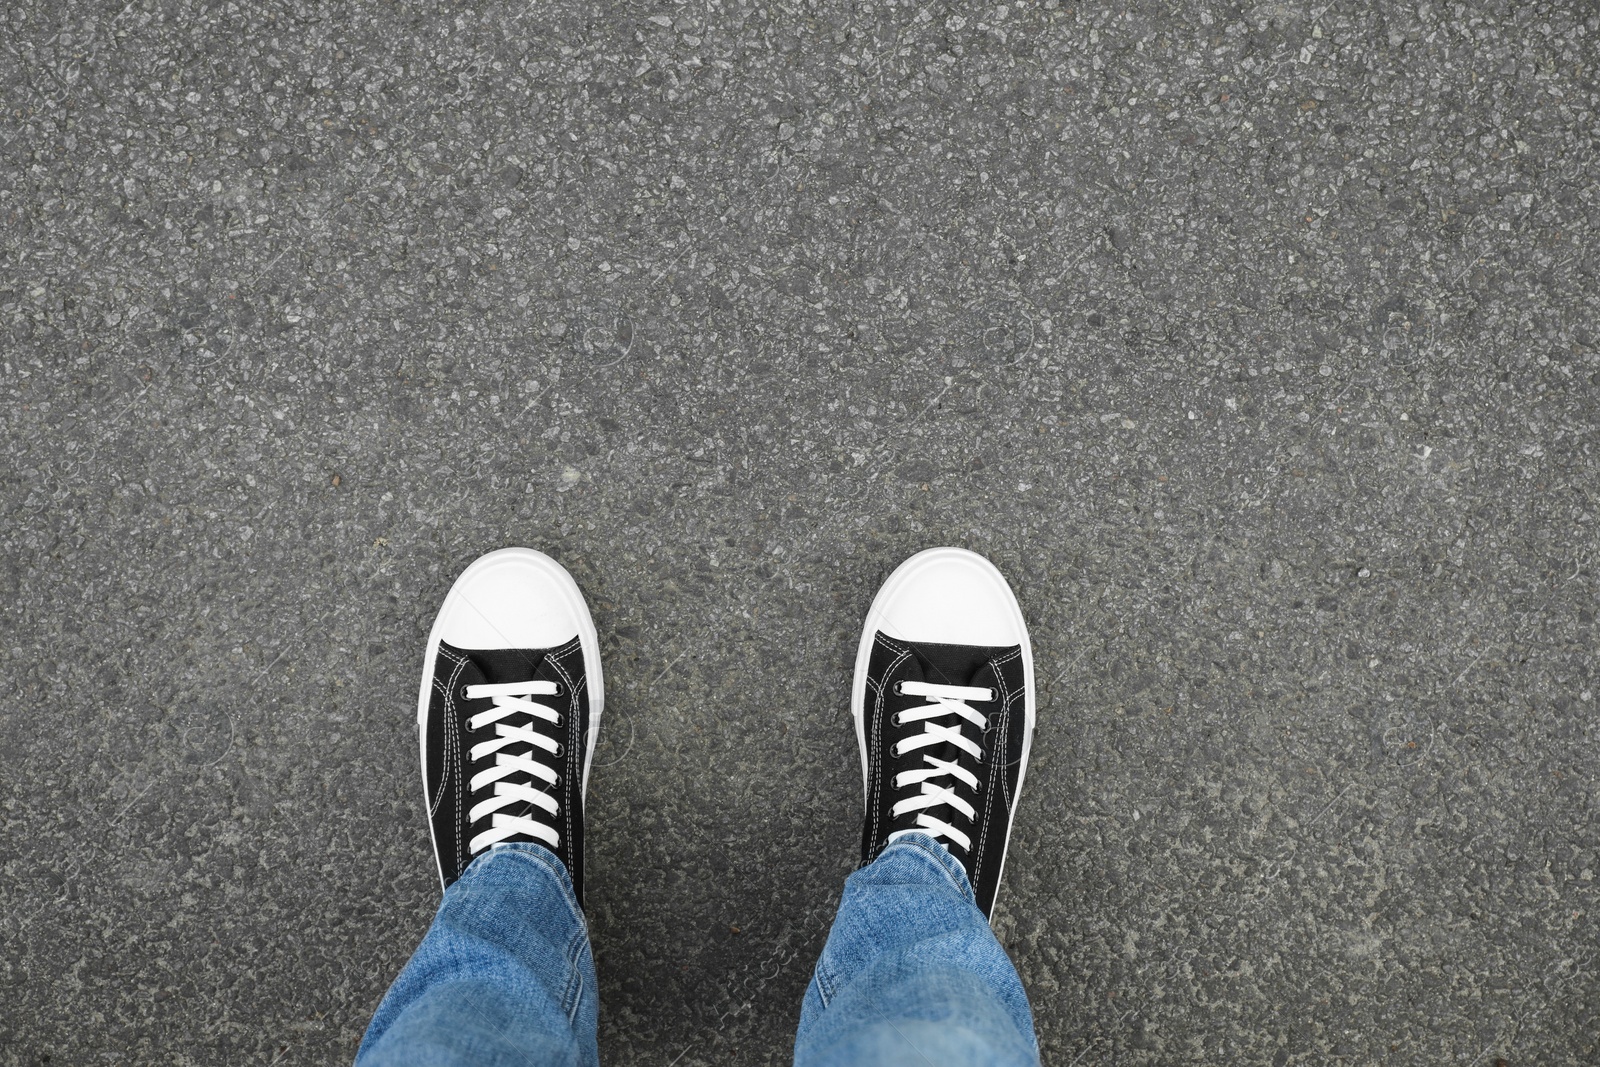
{"x":903,"y":575}
{"x":588,"y":640}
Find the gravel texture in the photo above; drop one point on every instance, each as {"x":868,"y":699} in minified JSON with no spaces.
{"x":1255,"y":342}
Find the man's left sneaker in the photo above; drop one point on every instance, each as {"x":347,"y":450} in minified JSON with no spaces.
{"x":944,"y":711}
{"x":508,"y":711}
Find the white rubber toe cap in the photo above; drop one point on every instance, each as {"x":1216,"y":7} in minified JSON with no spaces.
{"x":948,"y":596}
{"x":512,"y":598}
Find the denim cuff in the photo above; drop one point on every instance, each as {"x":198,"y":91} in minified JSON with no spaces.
{"x":927,"y":848}
{"x":526,"y":852}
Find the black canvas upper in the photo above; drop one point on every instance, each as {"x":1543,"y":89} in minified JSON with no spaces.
{"x":997,"y":669}
{"x":448,"y":747}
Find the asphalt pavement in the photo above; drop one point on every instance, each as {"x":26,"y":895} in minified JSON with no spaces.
{"x":1256,"y":343}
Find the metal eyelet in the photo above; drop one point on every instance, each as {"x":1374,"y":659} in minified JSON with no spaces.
{"x":896,"y":720}
{"x":560,"y":751}
{"x":464,"y":692}
{"x":560,"y":720}
{"x":897,"y":690}
{"x":561,"y":690}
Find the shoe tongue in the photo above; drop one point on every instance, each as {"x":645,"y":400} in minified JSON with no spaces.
{"x":955,"y":664}
{"x":506,"y":665}
{"x":949,"y":665}
{"x":498,"y":666}
{"x":986,"y":677}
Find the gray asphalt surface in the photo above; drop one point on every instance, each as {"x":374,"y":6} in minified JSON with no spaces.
{"x":1256,"y":343}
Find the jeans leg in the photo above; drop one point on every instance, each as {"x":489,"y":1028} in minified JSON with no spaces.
{"x":912,"y":975}
{"x":504,"y":977}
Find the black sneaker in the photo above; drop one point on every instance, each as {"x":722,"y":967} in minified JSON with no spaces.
{"x":508,"y":711}
{"x":944,"y":711}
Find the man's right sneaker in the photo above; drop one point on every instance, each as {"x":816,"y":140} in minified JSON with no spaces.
{"x":944,"y":711}
{"x":508,"y":712}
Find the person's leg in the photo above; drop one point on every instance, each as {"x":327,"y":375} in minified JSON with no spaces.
{"x":507,"y":715}
{"x":503,"y":977}
{"x":912,"y":974}
{"x":944,"y":711}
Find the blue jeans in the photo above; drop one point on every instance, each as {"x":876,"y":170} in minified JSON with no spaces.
{"x":911,"y":974}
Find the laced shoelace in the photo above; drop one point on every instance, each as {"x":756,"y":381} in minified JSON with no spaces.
{"x":517,"y":764}
{"x":944,"y":700}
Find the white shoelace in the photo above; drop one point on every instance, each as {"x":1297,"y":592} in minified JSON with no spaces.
{"x":512,"y":772}
{"x":944,"y":700}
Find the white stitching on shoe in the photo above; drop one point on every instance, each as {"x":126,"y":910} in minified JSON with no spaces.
{"x":997,"y":767}
{"x":554,"y":659}
{"x":976,"y":870}
{"x":452,"y":753}
{"x":874,"y":793}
